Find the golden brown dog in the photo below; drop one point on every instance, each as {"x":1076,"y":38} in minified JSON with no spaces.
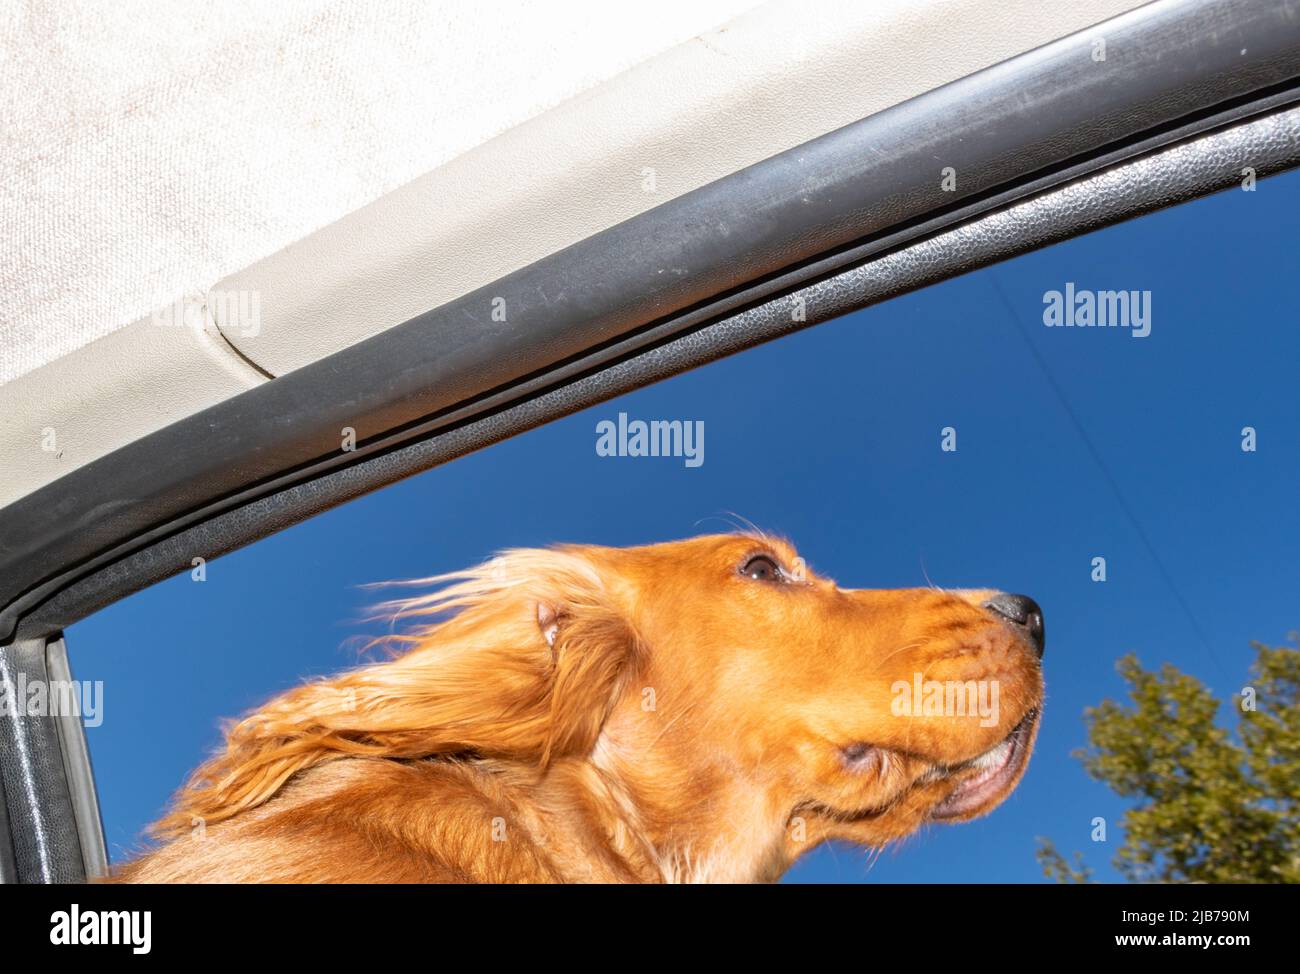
{"x":704,"y":710}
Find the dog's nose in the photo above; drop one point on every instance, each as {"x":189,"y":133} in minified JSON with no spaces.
{"x":1025,"y":613}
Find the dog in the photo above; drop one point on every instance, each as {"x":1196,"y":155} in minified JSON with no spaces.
{"x":704,"y":710}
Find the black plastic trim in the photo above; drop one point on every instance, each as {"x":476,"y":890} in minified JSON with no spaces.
{"x":77,"y":769}
{"x":8,"y":866}
{"x":42,"y":818}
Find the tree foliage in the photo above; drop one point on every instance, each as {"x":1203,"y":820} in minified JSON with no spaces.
{"x":1215,"y":785}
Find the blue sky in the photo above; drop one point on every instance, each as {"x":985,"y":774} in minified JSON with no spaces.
{"x":832,"y":438}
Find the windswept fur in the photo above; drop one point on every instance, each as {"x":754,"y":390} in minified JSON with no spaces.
{"x":597,"y":714}
{"x":545,"y":701}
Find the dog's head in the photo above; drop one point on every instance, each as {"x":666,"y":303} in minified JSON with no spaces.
{"x":857,"y":714}
{"x":726,"y":694}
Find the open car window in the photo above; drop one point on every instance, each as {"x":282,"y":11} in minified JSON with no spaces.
{"x":1099,"y":467}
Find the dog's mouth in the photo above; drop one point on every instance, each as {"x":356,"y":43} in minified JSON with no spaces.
{"x":991,"y":774}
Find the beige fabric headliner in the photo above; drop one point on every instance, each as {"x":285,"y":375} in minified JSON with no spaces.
{"x":151,"y":147}
{"x":771,"y":79}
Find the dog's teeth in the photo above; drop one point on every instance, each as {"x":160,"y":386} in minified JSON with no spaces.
{"x":993,"y":757}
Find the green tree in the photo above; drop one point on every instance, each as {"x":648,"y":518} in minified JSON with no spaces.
{"x":1212,"y":803}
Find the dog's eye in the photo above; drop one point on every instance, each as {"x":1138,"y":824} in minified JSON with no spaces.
{"x":761,"y":568}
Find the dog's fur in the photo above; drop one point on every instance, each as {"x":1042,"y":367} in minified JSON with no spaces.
{"x":612,"y":715}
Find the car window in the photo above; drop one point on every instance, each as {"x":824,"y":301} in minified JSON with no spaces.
{"x":1109,"y":424}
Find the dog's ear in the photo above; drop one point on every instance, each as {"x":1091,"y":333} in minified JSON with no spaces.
{"x":593,"y":652}
{"x":548,"y":621}
{"x":528,"y":660}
